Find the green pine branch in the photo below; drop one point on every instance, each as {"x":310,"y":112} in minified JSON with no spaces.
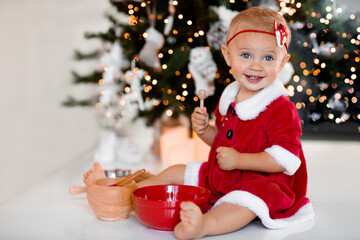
{"x":79,"y":56}
{"x":94,"y":77}
{"x":72,"y":102}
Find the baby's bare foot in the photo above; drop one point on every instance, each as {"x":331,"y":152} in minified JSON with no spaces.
{"x":93,"y":174}
{"x":192,"y":222}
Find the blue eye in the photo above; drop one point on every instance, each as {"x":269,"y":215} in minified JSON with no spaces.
{"x":245,"y":55}
{"x":268,"y":58}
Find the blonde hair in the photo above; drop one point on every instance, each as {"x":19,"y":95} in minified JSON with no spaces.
{"x":257,"y":18}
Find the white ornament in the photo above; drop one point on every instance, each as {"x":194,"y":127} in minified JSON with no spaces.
{"x":315,"y":116}
{"x":323,"y":49}
{"x":225,"y":14}
{"x":323,"y":86}
{"x":203,"y":70}
{"x":286,"y":73}
{"x":170,"y":19}
{"x":345,"y":116}
{"x":272,"y":4}
{"x":337,"y":104}
{"x":216,"y":36}
{"x":150,"y":104}
{"x":154,"y":41}
{"x":298,"y":25}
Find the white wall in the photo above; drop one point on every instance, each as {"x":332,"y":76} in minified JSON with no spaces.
{"x":38,"y":135}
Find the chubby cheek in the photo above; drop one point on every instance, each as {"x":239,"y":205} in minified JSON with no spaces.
{"x":272,"y":74}
{"x":236,"y":72}
{"x":238,"y":67}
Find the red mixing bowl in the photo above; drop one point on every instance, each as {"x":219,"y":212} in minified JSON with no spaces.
{"x":158,"y":206}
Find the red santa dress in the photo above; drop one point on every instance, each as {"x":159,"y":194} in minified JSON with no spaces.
{"x":266,"y":122}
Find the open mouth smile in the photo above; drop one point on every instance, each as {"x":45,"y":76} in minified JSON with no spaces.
{"x":254,"y":79}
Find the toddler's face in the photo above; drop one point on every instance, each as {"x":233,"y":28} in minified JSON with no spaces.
{"x":255,"y":60}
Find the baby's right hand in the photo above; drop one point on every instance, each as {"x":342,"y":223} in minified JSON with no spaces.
{"x":200,"y":120}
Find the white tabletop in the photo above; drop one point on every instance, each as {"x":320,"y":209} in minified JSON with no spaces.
{"x":48,"y":211}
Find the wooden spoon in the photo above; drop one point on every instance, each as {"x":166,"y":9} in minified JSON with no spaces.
{"x":128,"y":178}
{"x":202,"y":96}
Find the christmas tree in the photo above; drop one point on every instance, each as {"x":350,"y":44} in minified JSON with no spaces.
{"x":160,"y":53}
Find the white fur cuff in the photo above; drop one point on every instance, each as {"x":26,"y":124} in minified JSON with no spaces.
{"x":252,"y":107}
{"x":191,"y":176}
{"x":284,"y":158}
{"x":259,"y":207}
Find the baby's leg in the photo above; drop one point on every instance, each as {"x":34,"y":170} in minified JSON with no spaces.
{"x":222,"y":219}
{"x":172,"y":175}
{"x":94,"y":173}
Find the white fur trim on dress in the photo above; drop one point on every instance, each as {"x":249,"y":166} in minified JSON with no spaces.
{"x":284,"y":158}
{"x":258,"y":206}
{"x":191,"y":176}
{"x":251,"y":108}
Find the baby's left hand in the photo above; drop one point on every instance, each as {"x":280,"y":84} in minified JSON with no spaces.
{"x":227,"y":158}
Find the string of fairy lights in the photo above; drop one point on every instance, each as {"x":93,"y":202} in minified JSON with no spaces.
{"x":312,"y":67}
{"x":152,"y":82}
{"x":331,"y":13}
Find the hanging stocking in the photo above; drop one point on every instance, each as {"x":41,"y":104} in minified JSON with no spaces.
{"x":154,"y":40}
{"x":153,"y":43}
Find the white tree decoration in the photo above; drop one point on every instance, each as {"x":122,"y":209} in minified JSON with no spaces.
{"x":133,"y":77}
{"x":203,"y":70}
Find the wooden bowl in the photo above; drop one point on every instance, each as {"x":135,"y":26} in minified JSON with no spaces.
{"x":110,"y":203}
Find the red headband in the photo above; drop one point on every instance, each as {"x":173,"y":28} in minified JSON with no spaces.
{"x":280,"y":34}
